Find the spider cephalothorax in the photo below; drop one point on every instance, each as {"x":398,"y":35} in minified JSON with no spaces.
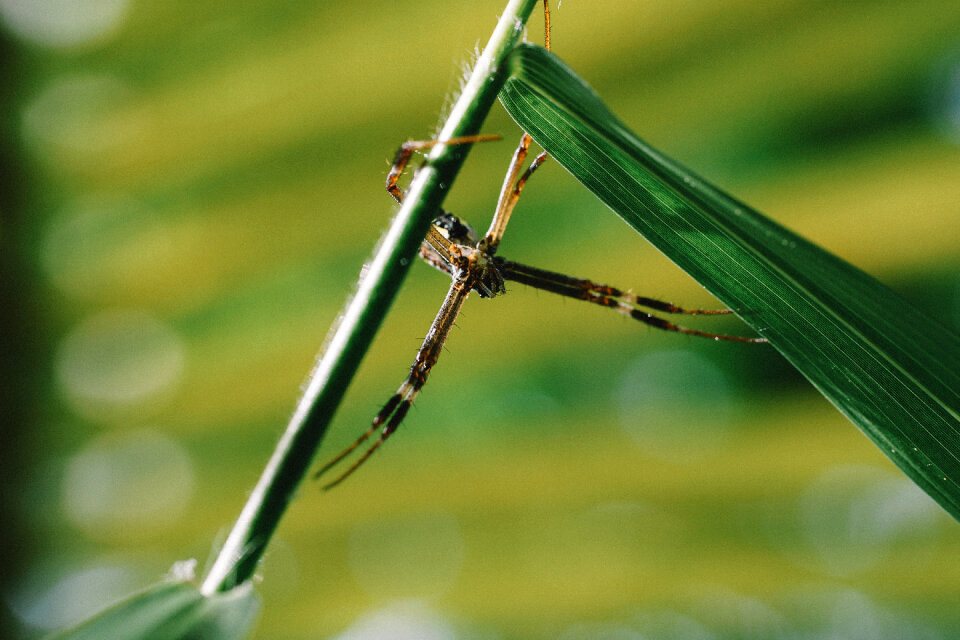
{"x":452,"y":246}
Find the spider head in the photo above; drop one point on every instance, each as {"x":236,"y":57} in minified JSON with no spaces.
{"x":456,"y":230}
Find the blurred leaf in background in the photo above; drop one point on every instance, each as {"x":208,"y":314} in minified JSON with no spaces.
{"x":190,"y":192}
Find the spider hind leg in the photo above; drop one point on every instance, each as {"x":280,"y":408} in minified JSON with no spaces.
{"x":389,"y":418}
{"x":396,"y":408}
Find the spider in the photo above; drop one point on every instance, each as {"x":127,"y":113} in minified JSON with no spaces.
{"x":454,"y":247}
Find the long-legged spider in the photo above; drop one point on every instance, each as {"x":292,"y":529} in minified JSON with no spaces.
{"x":452,"y":246}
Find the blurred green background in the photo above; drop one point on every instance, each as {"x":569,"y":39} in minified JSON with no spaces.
{"x":190,"y":191}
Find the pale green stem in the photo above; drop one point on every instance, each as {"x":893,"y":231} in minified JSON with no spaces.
{"x":293,"y":455}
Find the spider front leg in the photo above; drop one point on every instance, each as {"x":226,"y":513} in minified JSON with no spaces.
{"x":395,"y":410}
{"x":513,"y":185}
{"x":514,"y":182}
{"x":408,"y":148}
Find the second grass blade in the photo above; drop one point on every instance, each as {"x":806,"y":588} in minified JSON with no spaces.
{"x":887,"y":366}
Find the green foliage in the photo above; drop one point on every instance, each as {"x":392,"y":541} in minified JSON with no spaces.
{"x":888,"y":367}
{"x":173,"y":611}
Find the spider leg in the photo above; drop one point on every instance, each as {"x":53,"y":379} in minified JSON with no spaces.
{"x":546,"y":25}
{"x":623,"y":302}
{"x":560,"y":283}
{"x":396,"y":408}
{"x":408,"y":148}
{"x":513,"y":184}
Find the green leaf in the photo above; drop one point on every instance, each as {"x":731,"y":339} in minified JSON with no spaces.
{"x":173,"y":611}
{"x":888,"y":367}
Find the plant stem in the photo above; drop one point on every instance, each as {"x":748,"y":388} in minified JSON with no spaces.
{"x":359,"y":322}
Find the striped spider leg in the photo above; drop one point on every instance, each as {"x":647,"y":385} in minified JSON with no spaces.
{"x":624,"y":302}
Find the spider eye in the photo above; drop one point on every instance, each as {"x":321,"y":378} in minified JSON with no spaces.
{"x":456,"y":230}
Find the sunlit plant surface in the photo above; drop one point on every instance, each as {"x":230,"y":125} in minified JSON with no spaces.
{"x":205,"y":209}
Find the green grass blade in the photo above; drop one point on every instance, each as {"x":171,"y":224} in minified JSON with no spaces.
{"x":887,"y":366}
{"x":172,"y":611}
